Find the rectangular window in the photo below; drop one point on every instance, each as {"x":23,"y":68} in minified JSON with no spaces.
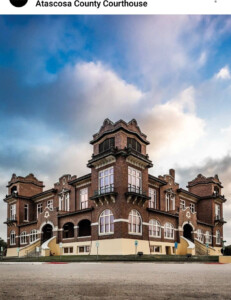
{"x":83,"y":249}
{"x":13,"y":212}
{"x":67,"y":202}
{"x":217,"y":211}
{"x":50,"y":204}
{"x":192,"y":207}
{"x":155,"y":249}
{"x":134,"y":144}
{"x":39,"y":209}
{"x":61,"y":202}
{"x":67,"y":250}
{"x":83,"y":198}
{"x":169,"y":201}
{"x":182,"y":204}
{"x":106,"y":181}
{"x":26,"y":212}
{"x":152,"y":201}
{"x":134,"y":180}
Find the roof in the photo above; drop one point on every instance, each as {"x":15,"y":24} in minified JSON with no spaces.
{"x":109,"y":127}
{"x":157,"y":179}
{"x":87,"y":176}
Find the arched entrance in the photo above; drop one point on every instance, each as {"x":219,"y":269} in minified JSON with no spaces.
{"x":188,"y":232}
{"x":47,"y":232}
{"x":84,"y":228}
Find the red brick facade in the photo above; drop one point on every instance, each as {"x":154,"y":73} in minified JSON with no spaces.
{"x":199,"y":207}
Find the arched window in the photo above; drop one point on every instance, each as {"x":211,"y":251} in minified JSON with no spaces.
{"x":135,"y":222}
{"x":107,"y":144}
{"x":84,"y":228}
{"x":12,"y":238}
{"x":33,"y":235}
{"x":216,"y":191}
{"x":14,"y":190}
{"x":23,"y":238}
{"x":200,"y":235}
{"x":218,"y":237}
{"x":68,"y":230}
{"x":106,"y":222}
{"x":208,"y":237}
{"x":168,"y":231}
{"x":154,"y":228}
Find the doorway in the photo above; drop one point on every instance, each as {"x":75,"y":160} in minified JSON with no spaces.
{"x":47,"y":232}
{"x":188,"y":232}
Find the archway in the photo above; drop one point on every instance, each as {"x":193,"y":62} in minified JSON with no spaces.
{"x":188,"y":232}
{"x":84,"y":228}
{"x":68,"y":230}
{"x":47,"y":232}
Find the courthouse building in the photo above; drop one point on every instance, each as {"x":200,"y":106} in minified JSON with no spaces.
{"x":118,"y":208}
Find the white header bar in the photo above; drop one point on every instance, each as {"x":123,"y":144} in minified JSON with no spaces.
{"x":135,"y":7}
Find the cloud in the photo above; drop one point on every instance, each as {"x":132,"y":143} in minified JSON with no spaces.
{"x":224,"y":73}
{"x":173,"y":126}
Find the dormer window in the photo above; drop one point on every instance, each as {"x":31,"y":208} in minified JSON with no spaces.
{"x":106,"y":144}
{"x":216,"y":191}
{"x":132,"y":143}
{"x":14,"y":190}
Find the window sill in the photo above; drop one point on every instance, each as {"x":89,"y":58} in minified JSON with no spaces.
{"x":82,"y":237}
{"x":152,"y":236}
{"x":108,"y":233}
{"x":168,"y":238}
{"x":135,"y":233}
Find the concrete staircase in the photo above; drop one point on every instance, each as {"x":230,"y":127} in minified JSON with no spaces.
{"x":50,"y":247}
{"x":29,"y":250}
{"x":185,"y":247}
{"x":201,"y":249}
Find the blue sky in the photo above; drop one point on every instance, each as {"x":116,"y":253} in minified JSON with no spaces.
{"x":61,"y":76}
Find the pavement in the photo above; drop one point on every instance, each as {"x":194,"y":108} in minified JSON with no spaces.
{"x":115,"y":281}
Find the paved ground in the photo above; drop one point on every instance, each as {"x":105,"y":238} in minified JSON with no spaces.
{"x":115,"y":281}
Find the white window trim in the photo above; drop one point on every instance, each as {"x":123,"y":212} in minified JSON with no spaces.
{"x":172,"y":228}
{"x":139,"y":186}
{"x":152,"y":192}
{"x":102,"y":215}
{"x":141,"y":223}
{"x":12,"y":211}
{"x":23,"y":236}
{"x":83,"y":195}
{"x":27,"y":217}
{"x":192,"y":207}
{"x":39,"y":205}
{"x":184,"y":204}
{"x":218,"y":242}
{"x":50,"y":204}
{"x":150,"y":224}
{"x":33,"y":232}
{"x":104,"y":186}
{"x":12,"y":233}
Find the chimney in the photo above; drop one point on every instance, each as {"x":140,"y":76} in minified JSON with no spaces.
{"x":172,"y":173}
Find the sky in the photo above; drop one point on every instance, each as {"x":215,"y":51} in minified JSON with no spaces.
{"x":61,"y":76}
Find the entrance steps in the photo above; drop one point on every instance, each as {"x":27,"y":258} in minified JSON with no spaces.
{"x":201,"y":249}
{"x":50,"y":247}
{"x":185,"y":247}
{"x":29,"y":250}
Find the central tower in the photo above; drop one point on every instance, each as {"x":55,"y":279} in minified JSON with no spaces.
{"x":120,"y":172}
